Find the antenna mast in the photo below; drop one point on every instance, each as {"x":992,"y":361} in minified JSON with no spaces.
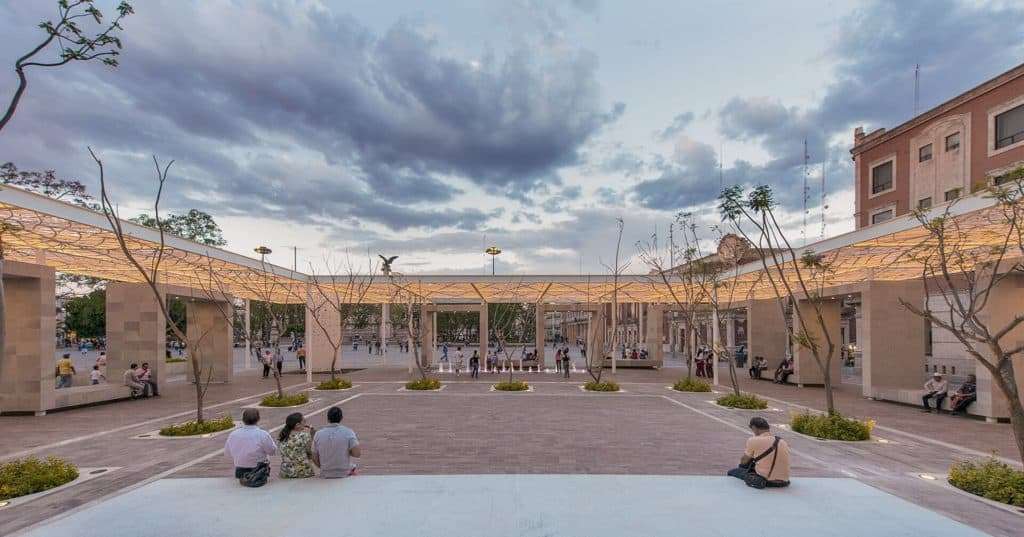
{"x":917,"y":86}
{"x":807,"y":158}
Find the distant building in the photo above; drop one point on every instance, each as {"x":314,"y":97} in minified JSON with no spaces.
{"x":958,"y":147}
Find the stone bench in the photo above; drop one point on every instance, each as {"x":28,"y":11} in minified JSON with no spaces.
{"x":88,"y":395}
{"x":913,"y":397}
{"x":630,"y":363}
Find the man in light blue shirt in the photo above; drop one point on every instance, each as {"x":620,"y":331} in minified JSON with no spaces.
{"x":333,"y":447}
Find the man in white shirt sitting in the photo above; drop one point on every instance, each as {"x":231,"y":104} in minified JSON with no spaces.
{"x":248,"y":446}
{"x":935,"y":388}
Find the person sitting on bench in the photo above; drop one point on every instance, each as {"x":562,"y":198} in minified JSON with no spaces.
{"x":966,"y":394}
{"x":766,"y":457}
{"x":783,"y":372}
{"x":757,"y":366}
{"x":935,"y":388}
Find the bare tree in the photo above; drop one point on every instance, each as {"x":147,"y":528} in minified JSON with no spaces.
{"x":698,"y":285}
{"x":406,"y":294}
{"x":965,"y":279}
{"x":514,"y":325}
{"x":151,"y":273}
{"x":73,"y":44}
{"x":595,"y":361}
{"x":793,"y":277}
{"x":334,"y":297}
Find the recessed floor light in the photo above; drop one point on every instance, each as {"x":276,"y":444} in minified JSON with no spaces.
{"x":929,"y":477}
{"x":881,"y":441}
{"x":4,"y":504}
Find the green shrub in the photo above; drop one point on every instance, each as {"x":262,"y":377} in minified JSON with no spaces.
{"x":747,"y":401}
{"x":191,"y":428}
{"x":28,"y":476}
{"x":423,"y":384}
{"x":691,"y":385}
{"x":831,"y":427}
{"x":175,"y":360}
{"x":335,"y":384}
{"x":512,"y":386}
{"x":603,"y":386}
{"x":293,"y":399}
{"x":990,"y":479}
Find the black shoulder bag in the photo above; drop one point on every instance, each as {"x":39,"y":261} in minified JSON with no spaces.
{"x":755,"y":480}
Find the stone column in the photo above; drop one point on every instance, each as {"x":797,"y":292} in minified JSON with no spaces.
{"x":892,"y":340}
{"x":385,"y":318}
{"x":248,"y":333}
{"x":766,"y":331}
{"x":540,"y":326}
{"x":319,"y":351}
{"x":27,"y":366}
{"x":209,"y":330}
{"x":136,"y":330}
{"x":484,"y":338}
{"x":655,"y":332}
{"x":806,"y":370}
{"x":1004,"y":303}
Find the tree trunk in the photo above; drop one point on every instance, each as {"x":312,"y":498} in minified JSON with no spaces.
{"x":1007,"y":382}
{"x":197,"y":375}
{"x":830,"y":403}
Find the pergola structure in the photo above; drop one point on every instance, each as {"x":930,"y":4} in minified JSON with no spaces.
{"x":882,"y":262}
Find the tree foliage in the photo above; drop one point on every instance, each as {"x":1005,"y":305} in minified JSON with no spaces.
{"x":195,"y":225}
{"x":48,"y":184}
{"x":86,"y":315}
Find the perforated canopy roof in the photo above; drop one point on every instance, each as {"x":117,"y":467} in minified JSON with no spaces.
{"x":76,"y":240}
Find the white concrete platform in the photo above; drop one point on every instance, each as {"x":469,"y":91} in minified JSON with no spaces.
{"x":504,"y":505}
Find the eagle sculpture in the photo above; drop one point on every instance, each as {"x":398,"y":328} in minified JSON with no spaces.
{"x":386,"y":267}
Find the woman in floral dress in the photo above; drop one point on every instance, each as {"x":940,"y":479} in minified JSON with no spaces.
{"x":296,"y":447}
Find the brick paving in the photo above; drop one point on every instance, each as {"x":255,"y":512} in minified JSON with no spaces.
{"x":467,"y":429}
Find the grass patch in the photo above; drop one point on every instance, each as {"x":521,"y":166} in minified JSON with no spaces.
{"x":191,"y":428}
{"x":603,"y":386}
{"x":512,"y":386}
{"x":21,"y":477}
{"x":335,"y":384}
{"x":174,"y":360}
{"x":746,"y":401}
{"x":423,"y":384}
{"x":990,"y":479}
{"x":293,"y":399}
{"x":691,"y":385}
{"x":832,"y":427}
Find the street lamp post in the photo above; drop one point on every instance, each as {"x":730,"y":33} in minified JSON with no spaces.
{"x":493,"y":251}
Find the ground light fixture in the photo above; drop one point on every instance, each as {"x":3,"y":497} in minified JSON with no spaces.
{"x":492,"y":251}
{"x":928,"y":477}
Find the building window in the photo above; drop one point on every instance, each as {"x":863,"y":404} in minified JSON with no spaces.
{"x":881,"y":178}
{"x":924,"y":203}
{"x":1010,"y":127}
{"x":925,"y":153}
{"x":878,"y":218}
{"x":953,"y":141}
{"x":952,"y":194}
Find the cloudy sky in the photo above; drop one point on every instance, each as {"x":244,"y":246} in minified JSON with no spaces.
{"x":432,"y":129}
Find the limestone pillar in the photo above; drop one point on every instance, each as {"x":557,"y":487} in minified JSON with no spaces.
{"x":484,"y":336}
{"x":892,"y":340}
{"x":1004,"y":303}
{"x":806,"y":370}
{"x":248,"y":333}
{"x":655,"y":331}
{"x":319,"y":351}
{"x":136,"y":330}
{"x":539,"y":314}
{"x":27,"y":366}
{"x":209,"y":331}
{"x":385,"y":318}
{"x":766,"y":331}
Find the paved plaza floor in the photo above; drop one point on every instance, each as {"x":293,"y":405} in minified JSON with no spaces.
{"x":501,"y":505}
{"x":440,"y":458}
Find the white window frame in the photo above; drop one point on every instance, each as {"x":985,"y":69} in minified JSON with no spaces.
{"x":880,"y":210}
{"x":871,"y":175}
{"x":990,"y":136}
